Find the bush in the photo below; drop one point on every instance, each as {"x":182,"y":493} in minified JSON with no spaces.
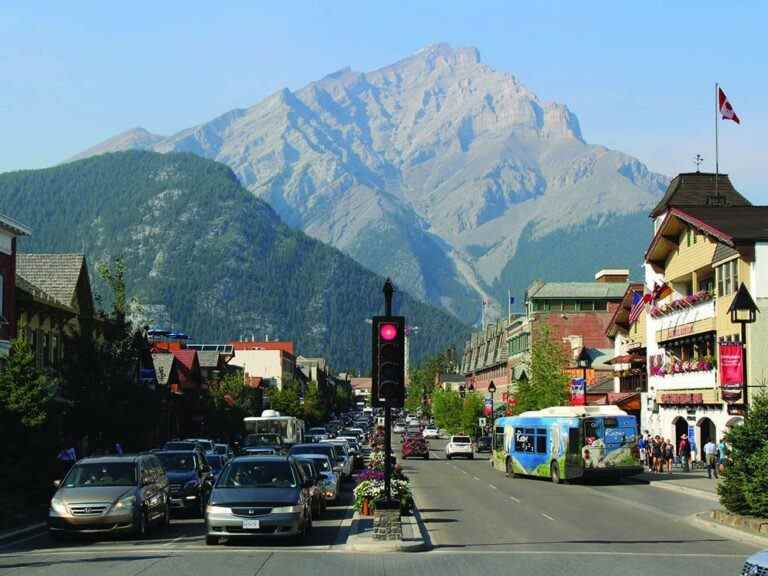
{"x":744,"y":489}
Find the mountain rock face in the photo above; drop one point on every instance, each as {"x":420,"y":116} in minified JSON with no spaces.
{"x":211,"y":258}
{"x":429,"y":170}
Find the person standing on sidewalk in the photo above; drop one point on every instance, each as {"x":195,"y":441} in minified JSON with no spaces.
{"x":722,"y":450}
{"x":710,"y":453}
{"x":669,"y":454}
{"x":684,"y":452}
{"x":641,"y":446}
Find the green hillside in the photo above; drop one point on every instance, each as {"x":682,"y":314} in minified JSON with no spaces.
{"x":221,"y":261}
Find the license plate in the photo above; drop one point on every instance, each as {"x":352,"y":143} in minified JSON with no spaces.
{"x":251,"y":525}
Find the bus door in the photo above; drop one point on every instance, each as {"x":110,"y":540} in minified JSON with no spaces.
{"x":574,"y":467}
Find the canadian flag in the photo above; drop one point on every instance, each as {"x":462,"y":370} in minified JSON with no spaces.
{"x":726,"y":109}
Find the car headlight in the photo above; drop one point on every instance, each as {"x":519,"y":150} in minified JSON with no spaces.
{"x":58,"y":506}
{"x":192,"y":484}
{"x":125,"y":503}
{"x":287,"y":509}
{"x":216,"y":510}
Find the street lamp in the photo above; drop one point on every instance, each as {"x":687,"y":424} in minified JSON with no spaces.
{"x":743,"y":310}
{"x":492,"y":390}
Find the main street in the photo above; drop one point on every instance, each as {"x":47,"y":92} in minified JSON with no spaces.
{"x":478,"y":521}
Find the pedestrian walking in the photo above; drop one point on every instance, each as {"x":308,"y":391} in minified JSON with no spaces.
{"x":641,"y":446}
{"x":658,"y":456}
{"x":710,"y":454}
{"x":684,"y":452}
{"x":722,"y":452}
{"x":669,"y":454}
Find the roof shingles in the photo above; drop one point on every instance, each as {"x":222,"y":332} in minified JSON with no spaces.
{"x":55,"y":274}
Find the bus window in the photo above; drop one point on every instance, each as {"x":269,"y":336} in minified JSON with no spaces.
{"x":610,"y":422}
{"x":541,"y":442}
{"x":498,"y":437}
{"x":590,"y":428}
{"x":574,"y":441}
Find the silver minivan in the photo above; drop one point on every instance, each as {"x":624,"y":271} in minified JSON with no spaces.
{"x":111,"y":494}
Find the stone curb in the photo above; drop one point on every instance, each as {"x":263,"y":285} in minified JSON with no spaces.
{"x":9,"y":535}
{"x":361,"y":540}
{"x":706,"y":521}
{"x":670,"y":485}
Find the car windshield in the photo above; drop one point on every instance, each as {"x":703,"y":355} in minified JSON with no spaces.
{"x":177,"y":461}
{"x":258,"y":474}
{"x":322,"y":464}
{"x":98,"y":474}
{"x":461,"y":439}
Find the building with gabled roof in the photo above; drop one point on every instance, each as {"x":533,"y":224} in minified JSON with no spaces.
{"x":63,"y":276}
{"x":705,"y":245}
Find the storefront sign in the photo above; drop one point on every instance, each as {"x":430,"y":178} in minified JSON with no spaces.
{"x":677,"y":331}
{"x":679,"y":399}
{"x":578,"y":392}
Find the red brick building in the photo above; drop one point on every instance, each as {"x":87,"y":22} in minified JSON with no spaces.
{"x":9,"y":231}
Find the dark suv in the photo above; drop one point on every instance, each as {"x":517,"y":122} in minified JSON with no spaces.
{"x":190,"y":479}
{"x":111,"y":494}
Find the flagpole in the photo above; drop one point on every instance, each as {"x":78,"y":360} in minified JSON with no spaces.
{"x":717,"y":144}
{"x":509,"y":305}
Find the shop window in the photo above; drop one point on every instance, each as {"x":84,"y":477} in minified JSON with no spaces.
{"x":735,"y":274}
{"x":601,"y":305}
{"x":719,"y":274}
{"x":727,"y":279}
{"x":569,"y":306}
{"x":586,"y":305}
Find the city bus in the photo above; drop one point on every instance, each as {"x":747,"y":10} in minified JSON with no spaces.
{"x":569,"y":442}
{"x":290,"y":430}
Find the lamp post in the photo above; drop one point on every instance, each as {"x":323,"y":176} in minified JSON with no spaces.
{"x":492,"y":390}
{"x":743,"y":310}
{"x":584,"y":361}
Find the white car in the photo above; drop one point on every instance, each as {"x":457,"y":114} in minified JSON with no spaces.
{"x":459,"y":446}
{"x":398,"y":428}
{"x":431,"y":432}
{"x":756,"y":564}
{"x":342,"y":449}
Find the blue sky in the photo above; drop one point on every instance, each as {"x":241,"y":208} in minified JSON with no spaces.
{"x":639,"y":75}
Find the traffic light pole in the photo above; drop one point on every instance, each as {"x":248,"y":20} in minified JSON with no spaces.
{"x":388,"y":291}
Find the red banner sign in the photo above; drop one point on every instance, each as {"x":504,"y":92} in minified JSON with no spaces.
{"x":578,"y":392}
{"x":731,"y":365}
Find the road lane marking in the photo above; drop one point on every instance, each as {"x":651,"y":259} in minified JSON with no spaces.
{"x":492,"y":487}
{"x":475,"y":477}
{"x":172,"y":542}
{"x":547,"y":516}
{"x":515,"y":500}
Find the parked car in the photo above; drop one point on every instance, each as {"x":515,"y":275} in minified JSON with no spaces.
{"x":398,"y":428}
{"x":459,"y":446}
{"x":111,"y":494}
{"x":190,"y":480}
{"x":309,"y":468}
{"x":431,"y":432}
{"x":756,"y":565}
{"x":330,"y":479}
{"x":259,"y":496}
{"x":483,"y":444}
{"x":414,"y":446}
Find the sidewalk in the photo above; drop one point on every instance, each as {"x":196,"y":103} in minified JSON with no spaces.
{"x":694,"y":483}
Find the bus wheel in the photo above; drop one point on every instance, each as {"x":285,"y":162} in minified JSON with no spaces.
{"x":554,"y":473}
{"x":510,"y":469}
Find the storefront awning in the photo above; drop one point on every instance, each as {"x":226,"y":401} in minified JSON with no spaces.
{"x":627,"y":359}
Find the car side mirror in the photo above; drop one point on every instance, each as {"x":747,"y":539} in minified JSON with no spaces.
{"x":56,"y":483}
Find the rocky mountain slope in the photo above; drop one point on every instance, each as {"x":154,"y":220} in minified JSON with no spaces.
{"x":430,"y":170}
{"x":213,"y":257}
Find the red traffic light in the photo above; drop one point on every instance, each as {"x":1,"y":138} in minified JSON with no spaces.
{"x":388,"y":332}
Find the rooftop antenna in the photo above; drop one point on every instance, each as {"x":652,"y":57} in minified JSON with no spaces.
{"x":698,"y":160}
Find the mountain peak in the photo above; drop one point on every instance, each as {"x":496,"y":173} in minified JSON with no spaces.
{"x":466,"y":55}
{"x":136,"y":138}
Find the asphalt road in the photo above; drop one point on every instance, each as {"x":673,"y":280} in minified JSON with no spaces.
{"x":479,"y":522}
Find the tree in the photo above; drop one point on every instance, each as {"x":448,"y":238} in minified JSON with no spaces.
{"x":422,"y":382}
{"x":287,"y":400}
{"x":114,"y":276}
{"x":25,"y":391}
{"x":744,"y":487}
{"x":447,"y":408}
{"x":548,"y":385}
{"x":471,"y":410}
{"x":314,"y":410}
